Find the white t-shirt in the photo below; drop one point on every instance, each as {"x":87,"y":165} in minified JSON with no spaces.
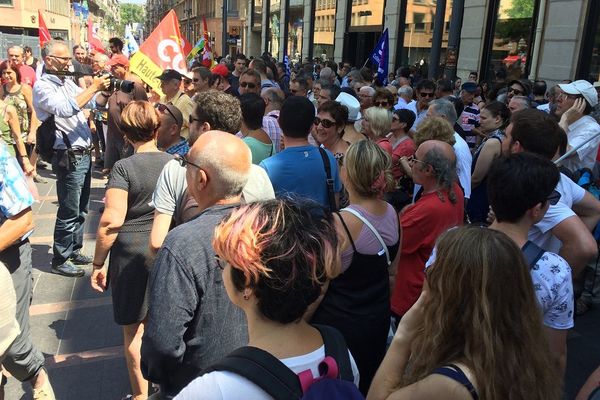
{"x":224,"y":385}
{"x":541,"y":233}
{"x":464,"y":159}
{"x":553,"y":287}
{"x":578,"y":132}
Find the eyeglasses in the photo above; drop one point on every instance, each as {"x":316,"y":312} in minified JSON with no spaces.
{"x":184,"y":162}
{"x":380,"y":103}
{"x":426,"y":94}
{"x":220,"y":263}
{"x":191,"y":119}
{"x":250,"y":85}
{"x":325,"y":122}
{"x":60,"y":58}
{"x":515,"y":91}
{"x":162,"y":108}
{"x":553,"y":198}
{"x":413,"y":159}
{"x":195,"y":80}
{"x":395,"y":119}
{"x":564,"y":95}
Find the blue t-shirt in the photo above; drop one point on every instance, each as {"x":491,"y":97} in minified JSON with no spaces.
{"x":300,"y":172}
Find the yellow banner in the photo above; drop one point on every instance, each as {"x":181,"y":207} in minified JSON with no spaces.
{"x":147,"y":70}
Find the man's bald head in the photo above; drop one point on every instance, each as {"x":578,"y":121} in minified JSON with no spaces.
{"x":273,"y":98}
{"x":442,"y":148}
{"x":225,"y":159}
{"x":436,"y":167}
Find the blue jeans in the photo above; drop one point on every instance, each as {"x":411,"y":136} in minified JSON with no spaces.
{"x":73,"y":191}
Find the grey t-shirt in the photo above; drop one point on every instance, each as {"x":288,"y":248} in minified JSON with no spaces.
{"x":191,"y":321}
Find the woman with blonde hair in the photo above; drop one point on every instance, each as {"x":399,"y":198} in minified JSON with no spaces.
{"x":275,"y":256}
{"x":467,"y":337}
{"x":124,"y":231}
{"x":357,"y":302}
{"x":376,"y":125}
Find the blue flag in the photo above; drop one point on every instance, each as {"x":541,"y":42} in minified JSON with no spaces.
{"x":286,"y":62}
{"x":380,"y":57}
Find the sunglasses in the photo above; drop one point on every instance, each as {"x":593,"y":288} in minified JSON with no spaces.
{"x":191,"y":119}
{"x":325,"y":122}
{"x":249,"y":85}
{"x":553,"y":198}
{"x":515,"y":91}
{"x":380,"y":103}
{"x":426,"y":94}
{"x":162,"y":108}
{"x":395,"y":119}
{"x":184,"y":161}
{"x":195,"y":80}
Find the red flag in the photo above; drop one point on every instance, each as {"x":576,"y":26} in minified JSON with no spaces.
{"x":93,"y":40}
{"x":207,"y":56}
{"x":161,"y":50}
{"x":43,"y":30}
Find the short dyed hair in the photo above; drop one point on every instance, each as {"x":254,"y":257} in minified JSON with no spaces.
{"x":139,"y":121}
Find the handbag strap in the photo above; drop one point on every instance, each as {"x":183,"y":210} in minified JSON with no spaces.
{"x":330,"y":193}
{"x":372,"y":228}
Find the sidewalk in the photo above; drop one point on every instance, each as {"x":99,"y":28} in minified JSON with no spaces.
{"x":72,"y":324}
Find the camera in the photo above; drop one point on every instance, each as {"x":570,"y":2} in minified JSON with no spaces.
{"x":120,"y":84}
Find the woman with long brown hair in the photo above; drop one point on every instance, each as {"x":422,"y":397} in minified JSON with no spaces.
{"x":475,"y":332}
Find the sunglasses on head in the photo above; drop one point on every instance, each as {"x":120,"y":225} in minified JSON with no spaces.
{"x":325,"y":122}
{"x":250,"y":85}
{"x":162,"y":108}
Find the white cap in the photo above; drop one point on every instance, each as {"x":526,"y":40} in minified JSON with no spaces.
{"x":351,"y":103}
{"x":583,"y":88}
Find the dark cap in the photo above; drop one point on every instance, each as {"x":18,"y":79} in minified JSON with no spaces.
{"x":470,"y":87}
{"x":169,"y":74}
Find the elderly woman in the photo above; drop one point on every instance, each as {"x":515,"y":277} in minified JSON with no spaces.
{"x":276,"y":256}
{"x":329,"y":128}
{"x":357,"y":302}
{"x":384,"y":98}
{"x":124,"y":231}
{"x":19,"y":96}
{"x":376,"y":125}
{"x":466,"y":337}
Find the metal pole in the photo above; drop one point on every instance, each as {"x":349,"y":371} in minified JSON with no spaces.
{"x":436,"y":43}
{"x":454,"y":39}
{"x":224,"y":47}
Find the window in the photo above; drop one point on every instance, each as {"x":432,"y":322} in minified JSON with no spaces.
{"x":508,"y":45}
{"x":589,"y":65}
{"x":6,"y":3}
{"x":419,"y":21}
{"x":257,"y":14}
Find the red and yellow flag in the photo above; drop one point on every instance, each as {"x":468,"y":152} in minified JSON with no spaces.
{"x":163,"y":49}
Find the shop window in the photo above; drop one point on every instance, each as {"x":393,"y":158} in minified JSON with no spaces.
{"x":257,"y":6}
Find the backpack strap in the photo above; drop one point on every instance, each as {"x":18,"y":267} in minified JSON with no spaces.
{"x":372,"y":229}
{"x":335,"y":346}
{"x":330,"y":192}
{"x":262,"y":369}
{"x":532,"y":253}
{"x":456,"y":374}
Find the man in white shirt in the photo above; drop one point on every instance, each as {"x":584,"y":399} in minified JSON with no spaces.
{"x":405,"y":99}
{"x":574,"y":106}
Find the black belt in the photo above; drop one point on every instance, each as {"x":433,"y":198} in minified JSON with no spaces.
{"x":83,"y":150}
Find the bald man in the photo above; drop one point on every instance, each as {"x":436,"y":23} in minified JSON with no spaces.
{"x":192,"y":324}
{"x":439,"y":208}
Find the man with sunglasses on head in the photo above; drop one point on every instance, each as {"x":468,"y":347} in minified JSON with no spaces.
{"x":115,"y":102}
{"x":168,"y":135}
{"x":521,"y":189}
{"x":60,"y":98}
{"x":574,"y":105}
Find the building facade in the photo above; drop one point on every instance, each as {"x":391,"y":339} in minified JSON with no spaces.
{"x":539,"y":39}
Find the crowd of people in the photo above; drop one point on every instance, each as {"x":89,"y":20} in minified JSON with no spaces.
{"x":263,"y":219}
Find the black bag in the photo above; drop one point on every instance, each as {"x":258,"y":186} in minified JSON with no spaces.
{"x":329,"y":182}
{"x":532,"y":253}
{"x":45,"y":138}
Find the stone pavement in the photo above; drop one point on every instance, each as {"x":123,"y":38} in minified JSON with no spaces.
{"x":73,"y":325}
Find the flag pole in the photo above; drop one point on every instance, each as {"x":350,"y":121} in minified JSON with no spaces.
{"x":366,"y":61}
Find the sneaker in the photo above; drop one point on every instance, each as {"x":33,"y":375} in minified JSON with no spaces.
{"x":68,"y":269}
{"x":39,"y":179}
{"x":80,"y":259}
{"x":41,"y":164}
{"x":45,"y":392}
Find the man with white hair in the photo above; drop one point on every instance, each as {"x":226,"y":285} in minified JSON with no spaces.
{"x":15,"y":58}
{"x":405,"y":98}
{"x":519,"y":103}
{"x":365,"y":97}
{"x":327,"y":75}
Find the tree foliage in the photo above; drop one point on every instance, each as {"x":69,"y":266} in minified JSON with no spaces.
{"x":130,"y":14}
{"x":521,"y":9}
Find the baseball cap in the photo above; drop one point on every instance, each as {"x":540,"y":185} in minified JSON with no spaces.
{"x":168,"y":74}
{"x":583,"y":88}
{"x":470,"y":87}
{"x":118,"y":59}
{"x":220,"y":69}
{"x":352,"y":104}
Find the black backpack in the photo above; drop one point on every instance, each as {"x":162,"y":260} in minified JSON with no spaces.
{"x":281,"y":383}
{"x":45,"y":138}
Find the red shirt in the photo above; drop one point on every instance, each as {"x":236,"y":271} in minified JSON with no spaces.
{"x":406,"y":148}
{"x":422,"y":223}
{"x":385,"y":144}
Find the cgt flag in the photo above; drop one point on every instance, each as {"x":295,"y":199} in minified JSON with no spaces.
{"x":163,"y":49}
{"x":94,"y":42}
{"x":44,"y":32}
{"x":380,"y":57}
